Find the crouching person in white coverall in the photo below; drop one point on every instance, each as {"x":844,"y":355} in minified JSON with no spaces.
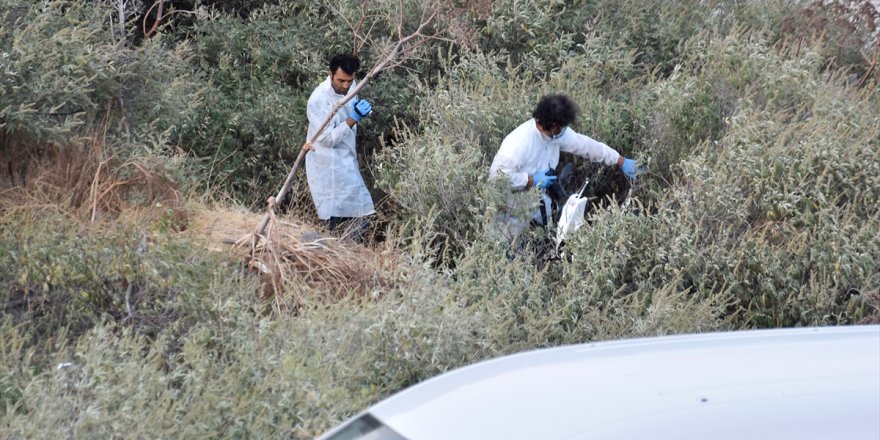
{"x":531,"y":150}
{"x":335,"y":181}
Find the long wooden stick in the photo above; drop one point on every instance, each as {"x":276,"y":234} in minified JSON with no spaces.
{"x":386,"y":61}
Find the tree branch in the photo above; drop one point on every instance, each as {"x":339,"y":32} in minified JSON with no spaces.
{"x":161,"y":4}
{"x":873,"y":65}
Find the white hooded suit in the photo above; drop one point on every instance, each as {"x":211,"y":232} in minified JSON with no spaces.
{"x":334,"y":178}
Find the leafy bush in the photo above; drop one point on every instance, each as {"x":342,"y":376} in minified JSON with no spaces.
{"x":57,"y":276}
{"x":440,"y":168}
{"x":251,"y":122}
{"x":761,"y":214}
{"x":64,"y":67}
{"x":234,"y":372}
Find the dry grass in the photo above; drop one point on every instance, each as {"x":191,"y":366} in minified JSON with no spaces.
{"x":85,"y":181}
{"x":299,"y":264}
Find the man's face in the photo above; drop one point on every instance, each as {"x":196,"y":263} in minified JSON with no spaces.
{"x":552,"y":132}
{"x":341,"y":81}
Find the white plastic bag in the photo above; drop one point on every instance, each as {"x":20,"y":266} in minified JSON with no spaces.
{"x":572,"y":217}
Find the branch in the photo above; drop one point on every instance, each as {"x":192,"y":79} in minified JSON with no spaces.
{"x":159,"y":17}
{"x":359,"y":38}
{"x":871,"y":68}
{"x":400,"y":20}
{"x":122,"y":18}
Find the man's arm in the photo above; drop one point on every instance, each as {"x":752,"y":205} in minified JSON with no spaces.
{"x":589,"y":148}
{"x":317,"y":112}
{"x":507,"y":165}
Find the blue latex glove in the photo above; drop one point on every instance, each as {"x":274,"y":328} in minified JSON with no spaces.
{"x":359,"y":108}
{"x":542,"y":180}
{"x":631,"y":168}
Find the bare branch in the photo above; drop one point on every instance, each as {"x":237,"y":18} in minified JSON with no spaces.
{"x":121,"y":9}
{"x":400,"y":20}
{"x":873,"y":65}
{"x":159,"y":17}
{"x":366,"y":35}
{"x":359,"y":38}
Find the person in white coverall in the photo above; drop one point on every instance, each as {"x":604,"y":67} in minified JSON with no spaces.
{"x":531,"y":150}
{"x":337,"y":188}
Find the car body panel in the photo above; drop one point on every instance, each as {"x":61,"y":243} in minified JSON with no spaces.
{"x":789,"y":383}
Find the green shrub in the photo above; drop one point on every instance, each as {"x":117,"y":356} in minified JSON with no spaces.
{"x":64,"y":68}
{"x":441,"y":166}
{"x":251,"y":122}
{"x":437,"y":173}
{"x":58,"y":276}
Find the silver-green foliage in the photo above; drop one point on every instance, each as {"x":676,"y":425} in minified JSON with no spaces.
{"x":213,"y":364}
{"x":759,"y":210}
{"x":749,"y":145}
{"x":771,"y":200}
{"x":64,"y":66}
{"x":441,"y":169}
{"x":233,"y":372}
{"x":257,"y":74}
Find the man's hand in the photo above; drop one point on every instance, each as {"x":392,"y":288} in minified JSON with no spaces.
{"x":358,"y":109}
{"x":631,"y":168}
{"x":308,"y":146}
{"x":542,"y":180}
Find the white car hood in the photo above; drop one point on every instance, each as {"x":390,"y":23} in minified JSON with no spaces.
{"x":793,"y":383}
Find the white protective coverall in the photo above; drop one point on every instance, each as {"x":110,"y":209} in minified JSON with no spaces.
{"x":335,"y":181}
{"x":526,"y":151}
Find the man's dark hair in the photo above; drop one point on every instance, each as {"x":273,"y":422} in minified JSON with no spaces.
{"x":347,"y":62}
{"x":555,"y":110}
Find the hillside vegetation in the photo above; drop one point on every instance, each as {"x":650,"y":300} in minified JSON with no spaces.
{"x":135,"y":148}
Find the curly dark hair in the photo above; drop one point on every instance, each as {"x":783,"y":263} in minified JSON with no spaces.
{"x":555,"y":110}
{"x":348,"y":63}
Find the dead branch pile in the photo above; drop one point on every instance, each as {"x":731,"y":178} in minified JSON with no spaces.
{"x":297,"y":264}
{"x":300,"y":266}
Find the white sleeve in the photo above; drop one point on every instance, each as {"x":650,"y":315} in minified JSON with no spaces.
{"x":507,"y":164}
{"x":317,"y":111}
{"x":589,"y":148}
